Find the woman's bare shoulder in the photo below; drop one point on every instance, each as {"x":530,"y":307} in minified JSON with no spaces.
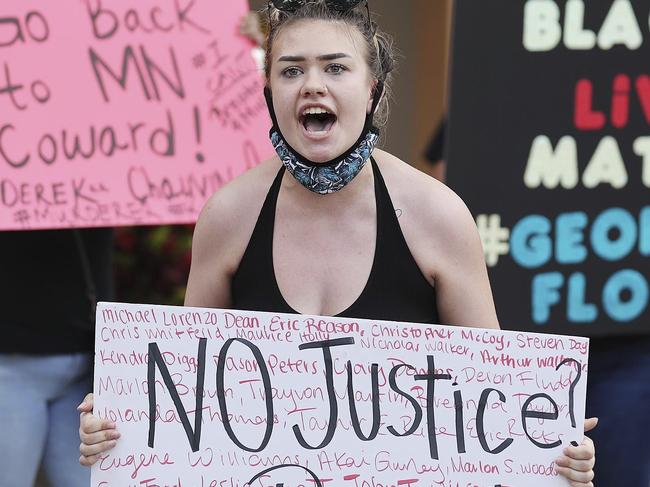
{"x":433,"y":202}
{"x":222,"y":233}
{"x":228,"y":218}
{"x":241,"y":199}
{"x":435,"y":221}
{"x":442,"y":237}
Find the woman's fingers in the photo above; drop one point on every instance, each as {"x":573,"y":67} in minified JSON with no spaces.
{"x":88,"y":461}
{"x":577,"y":478}
{"x":86,"y":405}
{"x":93,"y":438}
{"x":574,"y":455}
{"x":577,"y":464}
{"x":95,"y":431}
{"x":94,"y":450}
{"x":88,"y":423}
{"x":581,"y":484}
{"x":97,"y":436}
{"x":585,"y":451}
{"x":590,"y":424}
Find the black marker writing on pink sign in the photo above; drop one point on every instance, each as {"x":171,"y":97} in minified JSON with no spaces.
{"x":54,"y":194}
{"x":106,"y":23}
{"x":33,"y":26}
{"x":197,"y":131}
{"x":139,"y":56}
{"x":234,"y":86}
{"x":153,"y":73}
{"x":144,"y":187}
{"x":39,"y":90}
{"x":107,"y":141}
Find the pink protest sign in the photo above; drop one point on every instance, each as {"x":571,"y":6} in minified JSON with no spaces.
{"x":226,"y":398}
{"x":121,"y":113}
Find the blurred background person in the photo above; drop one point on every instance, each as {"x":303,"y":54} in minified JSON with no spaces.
{"x":51,"y":282}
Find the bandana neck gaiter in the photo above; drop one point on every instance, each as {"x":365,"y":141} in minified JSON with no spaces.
{"x":325,"y":178}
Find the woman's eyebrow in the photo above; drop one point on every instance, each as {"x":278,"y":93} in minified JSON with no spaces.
{"x":330,"y":57}
{"x":324,"y":57}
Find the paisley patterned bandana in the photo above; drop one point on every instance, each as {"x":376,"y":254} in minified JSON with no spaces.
{"x":329,"y":177}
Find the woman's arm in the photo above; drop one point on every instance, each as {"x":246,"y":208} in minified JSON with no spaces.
{"x":465,"y":298}
{"x":208,"y":284}
{"x":463,"y":292}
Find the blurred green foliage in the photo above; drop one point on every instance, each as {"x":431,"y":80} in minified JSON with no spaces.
{"x":152,"y":263}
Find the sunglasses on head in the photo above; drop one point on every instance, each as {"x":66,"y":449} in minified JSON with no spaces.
{"x":341,"y":6}
{"x":293,"y":5}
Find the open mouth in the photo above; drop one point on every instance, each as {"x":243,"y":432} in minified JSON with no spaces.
{"x":317,"y":121}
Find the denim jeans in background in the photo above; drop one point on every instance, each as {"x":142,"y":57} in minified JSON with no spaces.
{"x":618,"y":393}
{"x":39,"y":423}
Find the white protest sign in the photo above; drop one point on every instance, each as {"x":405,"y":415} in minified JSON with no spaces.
{"x":293,"y":400}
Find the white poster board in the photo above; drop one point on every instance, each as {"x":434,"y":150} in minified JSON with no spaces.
{"x":320,"y":401}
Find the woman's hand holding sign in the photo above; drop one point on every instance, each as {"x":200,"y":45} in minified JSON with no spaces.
{"x":577,"y":463}
{"x":97,"y":435}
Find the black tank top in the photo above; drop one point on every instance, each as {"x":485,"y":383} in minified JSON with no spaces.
{"x":396,"y":289}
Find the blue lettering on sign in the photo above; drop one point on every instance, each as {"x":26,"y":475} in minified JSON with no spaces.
{"x":644,"y":231}
{"x":613,"y":236}
{"x":569,"y":237}
{"x":624,"y":298}
{"x":530,"y":245}
{"x":618,"y":308}
{"x":545,"y":294}
{"x":577,"y":310}
{"x":613,"y":248}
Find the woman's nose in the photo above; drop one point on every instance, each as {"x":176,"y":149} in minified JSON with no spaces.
{"x":314,"y":84}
